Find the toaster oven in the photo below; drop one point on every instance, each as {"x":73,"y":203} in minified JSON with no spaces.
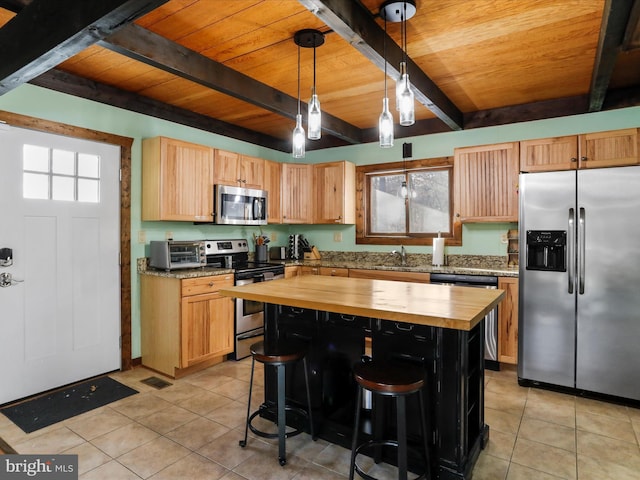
{"x":175,"y":254}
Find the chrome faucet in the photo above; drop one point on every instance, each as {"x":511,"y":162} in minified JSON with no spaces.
{"x":403,"y":255}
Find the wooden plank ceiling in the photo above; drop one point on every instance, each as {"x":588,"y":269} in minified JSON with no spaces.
{"x":231,"y":66}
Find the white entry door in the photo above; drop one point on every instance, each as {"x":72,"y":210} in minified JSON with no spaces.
{"x":60,"y":292}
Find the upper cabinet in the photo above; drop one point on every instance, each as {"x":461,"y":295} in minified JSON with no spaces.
{"x":297,"y":192}
{"x":486,"y":183}
{"x":177,"y":180}
{"x":335,"y":184}
{"x":590,"y":150}
{"x":273,"y":185}
{"x":238,"y":170}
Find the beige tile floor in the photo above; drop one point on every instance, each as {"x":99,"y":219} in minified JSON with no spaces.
{"x":191,"y":431}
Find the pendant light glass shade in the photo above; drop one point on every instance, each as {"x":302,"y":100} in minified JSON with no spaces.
{"x":298,"y":138}
{"x":399,"y":85}
{"x":406,"y":102}
{"x":314,"y":123}
{"x":404,"y":191}
{"x":385,"y":125}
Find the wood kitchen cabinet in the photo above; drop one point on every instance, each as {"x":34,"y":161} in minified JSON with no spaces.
{"x":334,"y":272}
{"x":486,"y":183}
{"x":177,"y":180}
{"x":590,"y":150}
{"x":238,"y":170}
{"x":291,"y":271}
{"x":186,"y":325}
{"x":297,"y":193}
{"x":335,"y":184}
{"x":508,"y":321}
{"x":309,"y":270}
{"x":273,"y":185}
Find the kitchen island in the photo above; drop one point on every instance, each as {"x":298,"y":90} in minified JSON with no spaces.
{"x":440,"y":328}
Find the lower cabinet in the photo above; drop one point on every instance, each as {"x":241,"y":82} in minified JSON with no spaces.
{"x":291,"y":271}
{"x":186,"y":324}
{"x":508,"y":321}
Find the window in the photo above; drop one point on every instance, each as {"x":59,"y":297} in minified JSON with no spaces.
{"x":407,"y":203}
{"x":52,"y":174}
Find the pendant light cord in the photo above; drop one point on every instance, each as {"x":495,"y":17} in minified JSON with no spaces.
{"x":404,"y":31}
{"x":384,"y":55}
{"x":314,"y":69}
{"x":298,"y":79}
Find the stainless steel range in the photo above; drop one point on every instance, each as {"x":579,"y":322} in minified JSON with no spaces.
{"x":249,"y":317}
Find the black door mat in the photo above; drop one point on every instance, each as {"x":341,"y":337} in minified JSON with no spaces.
{"x":156,"y":382}
{"x":54,"y":407}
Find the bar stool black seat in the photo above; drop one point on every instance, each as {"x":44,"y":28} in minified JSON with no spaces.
{"x":278,"y":354}
{"x":397,"y":381}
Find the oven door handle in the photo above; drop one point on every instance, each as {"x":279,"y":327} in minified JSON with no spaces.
{"x":253,"y":333}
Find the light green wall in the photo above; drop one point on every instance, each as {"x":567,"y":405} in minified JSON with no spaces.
{"x":478,"y":239}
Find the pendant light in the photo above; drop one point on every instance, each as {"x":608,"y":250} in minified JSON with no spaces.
{"x":400,"y":11}
{"x":385,"y":122}
{"x":298,"y":131}
{"x":310,"y":38}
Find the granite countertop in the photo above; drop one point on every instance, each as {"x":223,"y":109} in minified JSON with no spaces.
{"x":420,"y":263}
{"x":460,"y":264}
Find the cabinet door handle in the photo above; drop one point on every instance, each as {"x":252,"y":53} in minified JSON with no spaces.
{"x":574,"y":159}
{"x":211,"y":284}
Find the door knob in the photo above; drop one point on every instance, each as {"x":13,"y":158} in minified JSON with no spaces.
{"x":6,"y":280}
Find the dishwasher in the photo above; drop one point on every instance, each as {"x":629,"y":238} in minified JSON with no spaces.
{"x":490,"y":320}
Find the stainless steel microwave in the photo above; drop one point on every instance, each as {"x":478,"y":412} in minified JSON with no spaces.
{"x":239,"y":206}
{"x":175,"y":254}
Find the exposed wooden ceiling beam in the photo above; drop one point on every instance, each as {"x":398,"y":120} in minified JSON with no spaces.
{"x":14,"y":5}
{"x":614,"y":24}
{"x":45,"y":33}
{"x":81,"y":87}
{"x":353,"y":22}
{"x":145,"y":46}
{"x":632,"y":35}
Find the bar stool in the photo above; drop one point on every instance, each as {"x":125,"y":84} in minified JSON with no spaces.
{"x":396,"y":381}
{"x":278,"y":354}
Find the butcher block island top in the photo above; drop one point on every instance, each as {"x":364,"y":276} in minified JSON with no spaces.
{"x":459,"y":308}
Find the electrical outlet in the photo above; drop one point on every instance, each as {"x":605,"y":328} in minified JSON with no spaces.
{"x":168,"y":235}
{"x":273,"y":237}
{"x":337,"y":237}
{"x":142,"y":236}
{"x":503,"y":238}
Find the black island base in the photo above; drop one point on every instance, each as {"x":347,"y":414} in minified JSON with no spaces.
{"x":453,"y":365}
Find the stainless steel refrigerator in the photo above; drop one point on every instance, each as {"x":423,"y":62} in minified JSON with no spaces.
{"x":579,"y":295}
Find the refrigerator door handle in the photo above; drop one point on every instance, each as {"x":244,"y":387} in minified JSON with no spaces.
{"x":581,"y":250}
{"x":571,"y":250}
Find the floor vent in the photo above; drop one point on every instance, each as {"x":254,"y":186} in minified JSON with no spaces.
{"x":156,"y":382}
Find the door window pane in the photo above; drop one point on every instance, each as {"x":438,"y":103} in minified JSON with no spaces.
{"x":63,"y":162}
{"x":62,"y":188}
{"x":88,"y":165}
{"x":35,"y":185}
{"x":88,"y":190}
{"x":35,"y":158}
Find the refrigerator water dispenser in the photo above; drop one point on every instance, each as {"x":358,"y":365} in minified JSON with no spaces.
{"x":547,"y":250}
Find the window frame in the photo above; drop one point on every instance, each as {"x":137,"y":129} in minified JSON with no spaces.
{"x":363,"y":235}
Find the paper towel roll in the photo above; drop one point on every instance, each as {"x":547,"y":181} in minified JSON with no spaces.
{"x":438,"y":252}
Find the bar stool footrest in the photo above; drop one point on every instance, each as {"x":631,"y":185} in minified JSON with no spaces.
{"x":382,"y":443}
{"x":272,"y":411}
